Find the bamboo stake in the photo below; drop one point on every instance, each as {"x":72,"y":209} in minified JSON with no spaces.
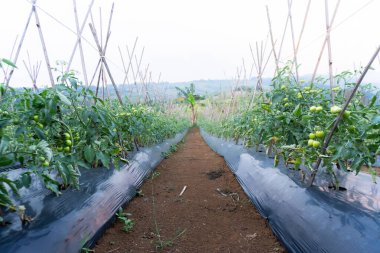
{"x":130,"y":61}
{"x":303,"y":25}
{"x":293,"y":39}
{"x":283,"y":38}
{"x":272,"y":40}
{"x":43,"y":43}
{"x":20,"y":44}
{"x":340,"y":116}
{"x":331,"y":77}
{"x":79,"y":41}
{"x":324,"y":43}
{"x":33,"y":71}
{"x":79,"y":36}
{"x":102,"y":57}
{"x":10,"y":57}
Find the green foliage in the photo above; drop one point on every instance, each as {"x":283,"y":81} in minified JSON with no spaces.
{"x":293,"y":121}
{"x":54,"y":132}
{"x":189,"y":96}
{"x":123,"y":217}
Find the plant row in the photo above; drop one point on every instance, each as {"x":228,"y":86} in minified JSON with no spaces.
{"x":292,"y":120}
{"x":52,"y":133}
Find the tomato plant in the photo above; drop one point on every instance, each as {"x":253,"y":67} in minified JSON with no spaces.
{"x":293,"y":119}
{"x":54,"y":132}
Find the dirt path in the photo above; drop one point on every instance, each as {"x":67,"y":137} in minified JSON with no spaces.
{"x":203,"y":219}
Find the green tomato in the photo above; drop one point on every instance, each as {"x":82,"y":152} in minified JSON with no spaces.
{"x":310,"y":142}
{"x":67,"y":149}
{"x":67,"y":136}
{"x":316,"y":144}
{"x":42,"y":159}
{"x":41,"y":126}
{"x":299,"y":95}
{"x":320,"y":134}
{"x":313,"y":109}
{"x":35,"y":117}
{"x":346,"y":114}
{"x":335,"y":109}
{"x":318,"y":108}
{"x":46,"y":164}
{"x":336,"y":89}
{"x":311,"y":136}
{"x":283,"y":87}
{"x":59,"y":149}
{"x":285,"y":100}
{"x":68,"y":143}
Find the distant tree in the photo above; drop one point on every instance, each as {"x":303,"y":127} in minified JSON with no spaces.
{"x":189,"y":97}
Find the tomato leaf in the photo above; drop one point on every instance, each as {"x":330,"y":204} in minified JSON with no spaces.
{"x":63,"y":98}
{"x":8,"y":62}
{"x":89,"y":154}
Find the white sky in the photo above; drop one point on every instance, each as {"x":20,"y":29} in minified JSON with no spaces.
{"x":190,"y":40}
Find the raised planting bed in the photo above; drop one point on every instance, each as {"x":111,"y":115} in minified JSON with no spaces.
{"x":307,"y":219}
{"x":77,"y":218}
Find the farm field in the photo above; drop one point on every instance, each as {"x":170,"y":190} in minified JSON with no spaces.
{"x":189,"y":126}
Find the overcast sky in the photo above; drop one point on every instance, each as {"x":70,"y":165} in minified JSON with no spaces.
{"x":190,"y":40}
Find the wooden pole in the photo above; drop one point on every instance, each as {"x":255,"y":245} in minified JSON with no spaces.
{"x":272,"y":40}
{"x":43,"y":43}
{"x":20,"y":44}
{"x":324,"y":43}
{"x":130,"y":60}
{"x":340,"y":116}
{"x":331,"y":76}
{"x":79,"y":36}
{"x":102,"y":57}
{"x":293,"y":39}
{"x":79,"y":42}
{"x":303,"y":26}
{"x":283,"y":38}
{"x":10,"y":57}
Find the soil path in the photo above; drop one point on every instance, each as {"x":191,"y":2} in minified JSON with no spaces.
{"x":212,"y":215}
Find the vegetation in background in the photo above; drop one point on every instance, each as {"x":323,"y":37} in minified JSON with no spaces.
{"x":189,"y":97}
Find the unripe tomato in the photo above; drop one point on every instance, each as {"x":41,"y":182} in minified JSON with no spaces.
{"x":66,"y":149}
{"x":313,"y":108}
{"x":67,"y":136}
{"x":310,"y":142}
{"x":318,"y":108}
{"x":59,"y":149}
{"x":299,"y":95}
{"x":42,"y":159}
{"x":35,"y":117}
{"x":68,"y":142}
{"x":285,"y":99}
{"x":41,"y":126}
{"x":311,"y":136}
{"x":320,"y":134}
{"x":335,"y":109}
{"x":346,"y":114}
{"x":316,"y":144}
{"x":46,"y":164}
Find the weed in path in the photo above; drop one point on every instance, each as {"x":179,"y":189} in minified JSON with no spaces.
{"x":161,"y":243}
{"x":123,"y":217}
